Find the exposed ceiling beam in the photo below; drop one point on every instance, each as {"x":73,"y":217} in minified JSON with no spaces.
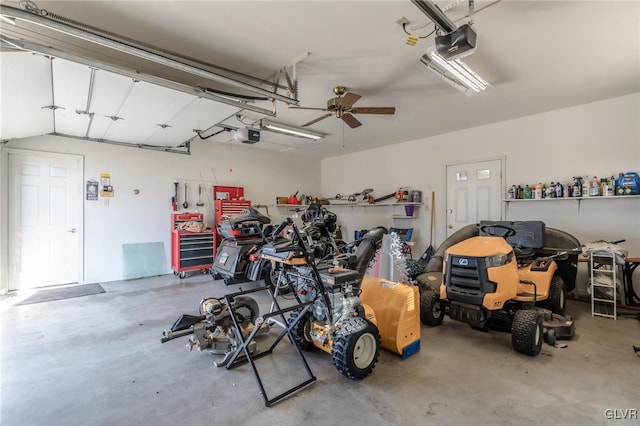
{"x":44,"y":21}
{"x":183,"y":148}
{"x":34,"y":47}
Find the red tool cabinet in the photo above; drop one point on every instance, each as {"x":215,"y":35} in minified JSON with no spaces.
{"x":191,"y":251}
{"x":228,"y":201}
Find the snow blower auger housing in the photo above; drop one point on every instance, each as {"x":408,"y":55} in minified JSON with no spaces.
{"x":339,"y":322}
{"x":492,"y":284}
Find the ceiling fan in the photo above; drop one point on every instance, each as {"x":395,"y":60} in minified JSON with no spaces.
{"x":342,"y":107}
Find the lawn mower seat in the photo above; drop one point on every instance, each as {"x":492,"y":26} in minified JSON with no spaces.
{"x":529,"y":237}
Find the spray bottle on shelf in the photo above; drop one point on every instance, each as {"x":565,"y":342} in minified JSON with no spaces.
{"x":577,"y":186}
{"x":527,"y":192}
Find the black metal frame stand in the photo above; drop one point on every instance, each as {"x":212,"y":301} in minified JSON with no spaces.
{"x":262,"y":320}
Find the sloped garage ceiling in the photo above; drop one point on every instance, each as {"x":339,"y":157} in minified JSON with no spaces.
{"x":538,"y":56}
{"x":120,"y":108}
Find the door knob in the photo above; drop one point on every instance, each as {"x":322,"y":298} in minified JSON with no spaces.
{"x":72,"y":230}
{"x":449,"y":211}
{"x":450,"y":227}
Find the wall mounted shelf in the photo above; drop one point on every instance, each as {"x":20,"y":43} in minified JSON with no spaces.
{"x":372,"y":205}
{"x":613,"y":197}
{"x":577,"y":200}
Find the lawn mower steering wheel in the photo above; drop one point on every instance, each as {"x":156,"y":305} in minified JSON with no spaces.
{"x":506,"y":233}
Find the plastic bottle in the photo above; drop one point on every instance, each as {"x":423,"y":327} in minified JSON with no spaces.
{"x":520,"y":193}
{"x":619,"y":186}
{"x":558,"y":190}
{"x":511,"y":192}
{"x":608,"y":187}
{"x":585,"y":187}
{"x":551,"y":190}
{"x":537,"y":192}
{"x":566,"y":190}
{"x":576,"y":190}
{"x":544,"y":191}
{"x":527,"y":192}
{"x":595,"y":187}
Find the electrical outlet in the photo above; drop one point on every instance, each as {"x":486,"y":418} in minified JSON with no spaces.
{"x":402,"y":21}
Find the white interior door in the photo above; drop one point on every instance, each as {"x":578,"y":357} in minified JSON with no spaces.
{"x":474,"y":193}
{"x":45,"y":219}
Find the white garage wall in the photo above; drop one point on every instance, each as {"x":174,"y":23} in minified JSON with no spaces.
{"x":600,"y":138}
{"x":130,"y":218}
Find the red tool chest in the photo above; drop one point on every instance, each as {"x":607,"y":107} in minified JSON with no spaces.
{"x":191,"y":251}
{"x":228,"y":201}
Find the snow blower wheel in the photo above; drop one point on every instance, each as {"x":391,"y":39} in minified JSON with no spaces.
{"x":356,"y":348}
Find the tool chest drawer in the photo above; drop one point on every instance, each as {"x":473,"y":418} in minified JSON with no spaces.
{"x":191,"y":251}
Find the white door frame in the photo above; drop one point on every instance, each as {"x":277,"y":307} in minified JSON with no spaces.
{"x":4,"y":212}
{"x":503,"y":174}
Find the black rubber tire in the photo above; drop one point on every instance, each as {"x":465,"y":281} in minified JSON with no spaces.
{"x":557,"y":300}
{"x":431,"y":310}
{"x":182,"y":275}
{"x":300,"y":331}
{"x":527,"y":333}
{"x":356,"y":348}
{"x":271,"y":275}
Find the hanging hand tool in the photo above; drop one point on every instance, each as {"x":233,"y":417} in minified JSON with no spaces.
{"x":200,"y":203}
{"x":174,"y":199}
{"x":186,"y":203}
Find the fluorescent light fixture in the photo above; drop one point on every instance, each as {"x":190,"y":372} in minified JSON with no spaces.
{"x":8,"y":19}
{"x":288,"y":130}
{"x":455,"y":72}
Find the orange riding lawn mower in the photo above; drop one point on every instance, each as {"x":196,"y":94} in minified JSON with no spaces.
{"x":502,"y":276}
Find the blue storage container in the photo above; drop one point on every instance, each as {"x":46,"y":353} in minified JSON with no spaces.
{"x":629,"y":183}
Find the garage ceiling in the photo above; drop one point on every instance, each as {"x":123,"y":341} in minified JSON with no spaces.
{"x":537,"y":55}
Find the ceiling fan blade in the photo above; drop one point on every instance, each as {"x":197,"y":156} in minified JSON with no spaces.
{"x":374,"y":110}
{"x":299,"y":107}
{"x":349,"y":99}
{"x":351,"y":120}
{"x":322,"y":117}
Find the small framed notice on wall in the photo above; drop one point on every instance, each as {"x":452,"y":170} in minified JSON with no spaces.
{"x":105,"y":184}
{"x":92,"y":190}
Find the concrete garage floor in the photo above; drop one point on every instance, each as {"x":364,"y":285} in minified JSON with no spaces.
{"x":97,"y":360}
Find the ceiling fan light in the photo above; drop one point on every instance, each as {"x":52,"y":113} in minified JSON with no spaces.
{"x":288,"y":130}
